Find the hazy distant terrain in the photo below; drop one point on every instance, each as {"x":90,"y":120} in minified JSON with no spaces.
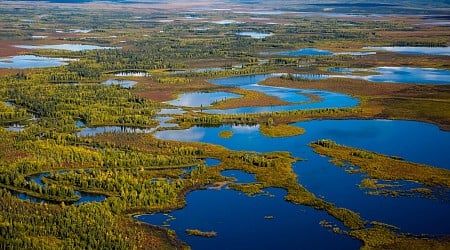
{"x":441,"y":7}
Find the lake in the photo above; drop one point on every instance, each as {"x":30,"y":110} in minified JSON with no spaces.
{"x":441,"y":51}
{"x":243,"y":222}
{"x":400,"y":75}
{"x":413,"y":141}
{"x":31,"y":61}
{"x":317,"y":52}
{"x":387,"y":74}
{"x":297,"y":97}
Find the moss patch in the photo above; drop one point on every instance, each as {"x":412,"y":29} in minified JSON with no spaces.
{"x":281,"y":130}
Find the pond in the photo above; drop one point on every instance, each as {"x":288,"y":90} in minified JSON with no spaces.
{"x":413,"y":141}
{"x":402,"y":75}
{"x":133,"y":73}
{"x":255,"y":35}
{"x":70,"y":47}
{"x":124,"y":83}
{"x":163,"y":122}
{"x":298,"y":97}
{"x":243,"y":222}
{"x":201,"y":99}
{"x":317,"y":52}
{"x":240,"y":176}
{"x":171,"y":111}
{"x":301,"y":52}
{"x":31,"y":61}
{"x":212,"y":162}
{"x":441,"y":51}
{"x":16,"y":128}
{"x":387,"y":74}
{"x":84,"y":197}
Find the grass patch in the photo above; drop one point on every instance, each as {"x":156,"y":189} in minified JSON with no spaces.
{"x":196,"y":232}
{"x":281,"y":130}
{"x":384,"y":167}
{"x":226,"y":134}
{"x":379,"y":237}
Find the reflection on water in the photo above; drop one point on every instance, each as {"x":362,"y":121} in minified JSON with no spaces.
{"x":255,"y":35}
{"x":31,"y":61}
{"x":16,"y":128}
{"x":201,"y":99}
{"x":443,"y":51}
{"x":124,"y":83}
{"x":402,"y":75}
{"x":112,"y":129}
{"x":84,"y":196}
{"x":243,"y":222}
{"x":317,"y":52}
{"x":413,"y":141}
{"x":133,"y":73}
{"x":172,"y":111}
{"x":297,"y":97}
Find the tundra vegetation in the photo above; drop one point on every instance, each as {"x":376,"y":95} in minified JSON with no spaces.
{"x":140,"y":174}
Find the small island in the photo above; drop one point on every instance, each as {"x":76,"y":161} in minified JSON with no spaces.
{"x":196,"y":232}
{"x":282,"y":130}
{"x":226,"y":134}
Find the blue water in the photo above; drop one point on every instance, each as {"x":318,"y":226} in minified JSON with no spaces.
{"x":317,"y":52}
{"x":295,"y":96}
{"x":84,"y":196}
{"x":31,"y":61}
{"x":240,"y":176}
{"x":201,"y":99}
{"x":442,"y":51}
{"x":211,"y":162}
{"x":388,"y":74}
{"x":413,"y":141}
{"x":79,"y":124}
{"x":240,"y":222}
{"x":302,"y":52}
{"x":69,"y":47}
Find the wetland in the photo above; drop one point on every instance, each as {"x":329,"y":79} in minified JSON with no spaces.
{"x":147,"y":125}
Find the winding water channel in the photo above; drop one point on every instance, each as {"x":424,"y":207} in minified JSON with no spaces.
{"x":266,"y":221}
{"x":242,"y":221}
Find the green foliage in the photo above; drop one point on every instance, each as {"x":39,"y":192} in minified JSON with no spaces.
{"x":226,"y":134}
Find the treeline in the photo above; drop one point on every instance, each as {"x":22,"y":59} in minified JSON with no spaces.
{"x":260,"y":118}
{"x":256,"y":160}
